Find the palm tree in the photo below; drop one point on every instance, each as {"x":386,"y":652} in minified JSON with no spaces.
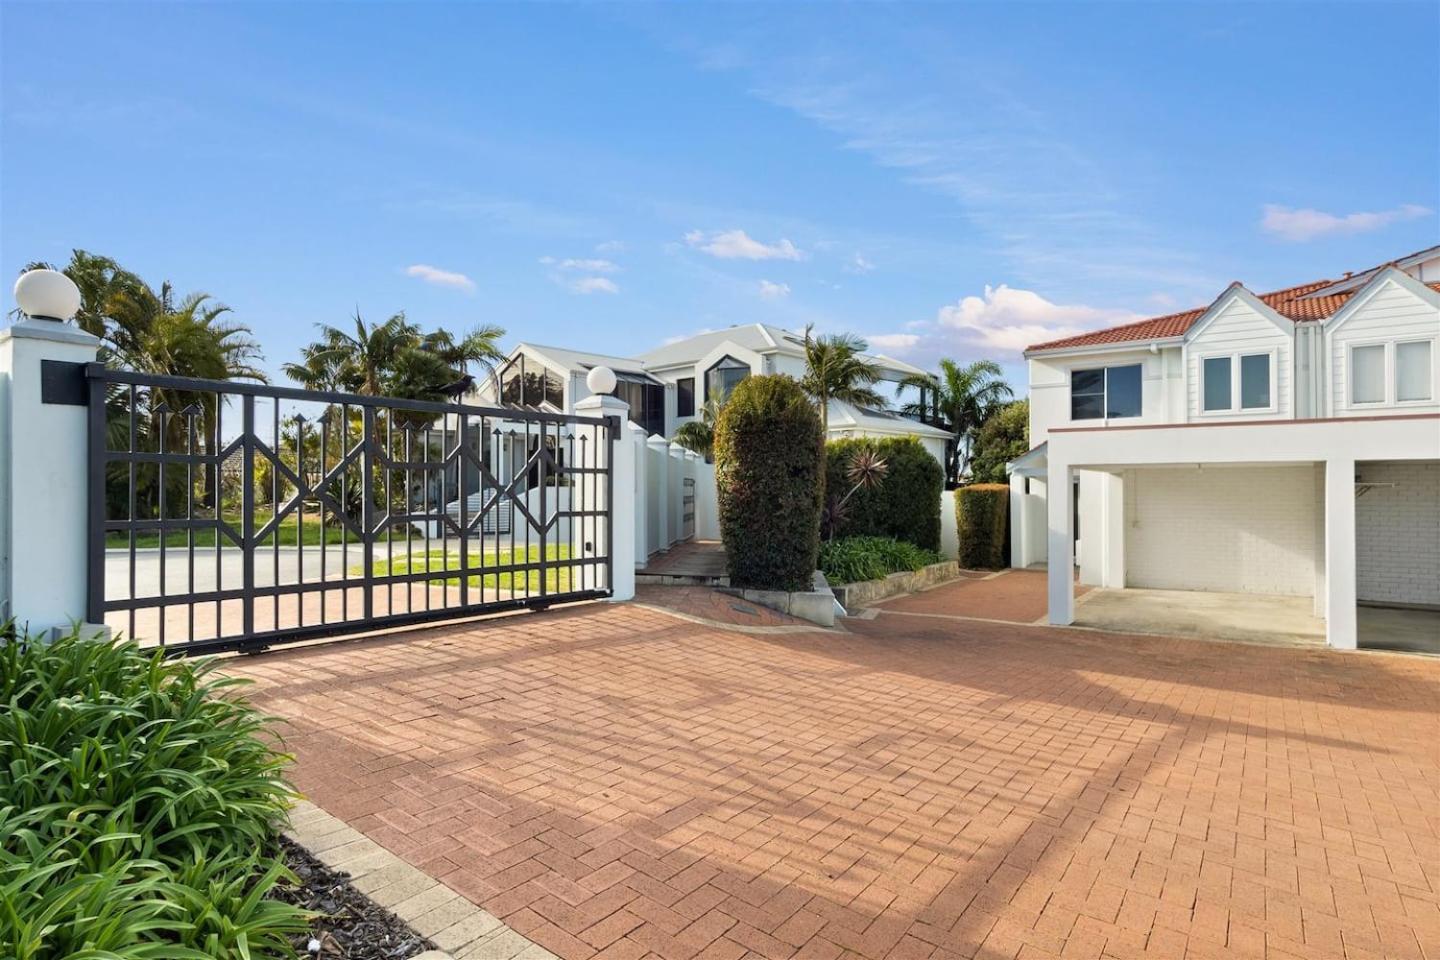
{"x":964,"y":398}
{"x":364,"y":362}
{"x":699,"y":435}
{"x":836,"y":368}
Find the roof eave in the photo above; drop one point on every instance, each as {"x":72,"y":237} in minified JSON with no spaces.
{"x":1118,"y":346}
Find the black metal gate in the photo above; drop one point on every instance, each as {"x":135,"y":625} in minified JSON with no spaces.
{"x":227,"y":515}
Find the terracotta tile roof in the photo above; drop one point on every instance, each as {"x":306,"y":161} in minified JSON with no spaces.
{"x":1291,"y":302}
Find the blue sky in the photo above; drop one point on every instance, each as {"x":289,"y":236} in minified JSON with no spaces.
{"x":948,"y":180}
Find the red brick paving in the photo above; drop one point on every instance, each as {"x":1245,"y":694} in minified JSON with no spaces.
{"x":1014,"y":595}
{"x":613,"y":782}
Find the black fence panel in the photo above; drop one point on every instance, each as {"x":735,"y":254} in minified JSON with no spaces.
{"x":227,"y":515}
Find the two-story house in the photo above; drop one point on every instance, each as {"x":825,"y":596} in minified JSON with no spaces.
{"x":1277,"y":443}
{"x":671,"y":385}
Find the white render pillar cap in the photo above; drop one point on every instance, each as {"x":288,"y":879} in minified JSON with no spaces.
{"x":600,"y":380}
{"x":47,"y":295}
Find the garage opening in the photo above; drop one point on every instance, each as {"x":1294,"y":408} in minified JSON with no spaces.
{"x":1397,"y":554}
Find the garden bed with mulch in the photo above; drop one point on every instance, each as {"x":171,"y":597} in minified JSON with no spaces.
{"x":351,"y":926}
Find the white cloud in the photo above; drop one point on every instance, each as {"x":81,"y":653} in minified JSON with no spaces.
{"x":592,"y":285}
{"x":1308,"y":224}
{"x":1009,"y":319}
{"x":774,"y":291}
{"x":586,"y":265}
{"x":610,"y":246}
{"x":737,"y":245}
{"x":858,"y":264}
{"x":893,"y":342}
{"x":441,"y":278}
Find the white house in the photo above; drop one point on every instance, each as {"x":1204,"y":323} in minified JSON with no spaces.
{"x":1279,"y":443}
{"x":670,"y":385}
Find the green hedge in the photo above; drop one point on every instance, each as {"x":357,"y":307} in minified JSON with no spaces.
{"x":767,"y":472}
{"x":853,"y":559}
{"x":982,"y":512}
{"x":139,"y":806}
{"x":905,"y":506}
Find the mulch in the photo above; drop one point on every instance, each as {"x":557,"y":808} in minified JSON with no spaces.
{"x":351,"y":926}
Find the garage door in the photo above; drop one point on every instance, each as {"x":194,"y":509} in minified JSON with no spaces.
{"x":1230,"y":529}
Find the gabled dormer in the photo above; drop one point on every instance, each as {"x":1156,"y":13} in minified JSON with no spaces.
{"x":1238,"y":358}
{"x":1382,"y":349}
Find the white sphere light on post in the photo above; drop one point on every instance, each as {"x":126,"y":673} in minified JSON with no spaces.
{"x":600,"y":380}
{"x":47,"y":295}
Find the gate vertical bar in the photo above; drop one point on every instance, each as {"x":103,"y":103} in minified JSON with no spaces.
{"x":367,"y":509}
{"x":95,"y":576}
{"x":462,"y":449}
{"x":247,"y":514}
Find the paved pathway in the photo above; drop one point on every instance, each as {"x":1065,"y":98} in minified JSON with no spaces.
{"x":615,"y":782}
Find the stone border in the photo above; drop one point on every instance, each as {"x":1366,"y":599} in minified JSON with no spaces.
{"x":907,"y":581}
{"x":432,"y":909}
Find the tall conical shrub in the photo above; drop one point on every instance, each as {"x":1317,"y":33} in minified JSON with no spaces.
{"x":769,"y":455}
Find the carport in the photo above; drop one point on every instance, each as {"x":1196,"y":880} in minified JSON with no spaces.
{"x":1273,"y":531}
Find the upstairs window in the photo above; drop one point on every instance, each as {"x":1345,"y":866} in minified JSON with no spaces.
{"x":1105,"y":392}
{"x":1414,"y":379}
{"x":1239,"y":381}
{"x":1367,"y":373}
{"x":723,"y":377}
{"x":685,"y":397}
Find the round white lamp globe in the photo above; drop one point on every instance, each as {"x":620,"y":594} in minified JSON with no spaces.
{"x":47,"y":295}
{"x":600,"y":380}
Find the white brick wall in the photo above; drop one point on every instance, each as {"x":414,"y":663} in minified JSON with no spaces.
{"x":1397,"y":533}
{"x":1230,"y":529}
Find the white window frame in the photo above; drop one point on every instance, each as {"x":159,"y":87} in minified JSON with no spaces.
{"x":1394,"y":380}
{"x":1235,"y":409}
{"x":1387,"y":382}
{"x":1104,"y":397}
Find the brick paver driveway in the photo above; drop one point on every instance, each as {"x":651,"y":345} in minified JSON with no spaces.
{"x":612,"y":781}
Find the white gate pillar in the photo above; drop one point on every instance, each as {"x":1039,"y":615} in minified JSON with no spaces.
{"x":1060,"y":562}
{"x":660,"y":490}
{"x":615,"y":449}
{"x":44,"y":458}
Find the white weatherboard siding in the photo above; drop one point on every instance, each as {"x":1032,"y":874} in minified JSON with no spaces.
{"x":1229,"y":529}
{"x":1239,"y":329}
{"x":1389,"y":315}
{"x":1397,"y":533}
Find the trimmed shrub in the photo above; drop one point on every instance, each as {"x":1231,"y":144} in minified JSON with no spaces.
{"x":767,"y":473}
{"x":1002,"y":438}
{"x":982,"y":513}
{"x":904,"y":506}
{"x":141,"y":808}
{"x":853,"y":559}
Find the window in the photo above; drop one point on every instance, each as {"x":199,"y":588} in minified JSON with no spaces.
{"x":1224,"y":388}
{"x":1412,"y":371}
{"x":529,"y":385}
{"x":1255,"y":381}
{"x":1367,"y":374}
{"x":646,"y":399}
{"x":723,"y":377}
{"x":685,"y":397}
{"x":1105,"y":392}
{"x":1216,"y":377}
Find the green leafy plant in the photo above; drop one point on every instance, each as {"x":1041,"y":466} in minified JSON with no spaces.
{"x":141,"y":799}
{"x":852,"y":559}
{"x":906,"y":506}
{"x":1002,"y":438}
{"x":982,"y":512}
{"x":769,"y":482}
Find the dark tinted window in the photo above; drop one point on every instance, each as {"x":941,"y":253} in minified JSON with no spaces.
{"x":1122,"y":391}
{"x":1215,"y":378}
{"x":723,"y":377}
{"x":1087,"y":394}
{"x":1255,"y":381}
{"x":685,"y":397}
{"x":525,"y":384}
{"x":647,"y":404}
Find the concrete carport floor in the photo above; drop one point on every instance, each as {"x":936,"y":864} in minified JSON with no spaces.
{"x":1250,"y":618}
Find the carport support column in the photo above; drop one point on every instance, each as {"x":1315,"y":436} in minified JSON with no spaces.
{"x":618,"y":451}
{"x":1340,"y":618}
{"x":1060,"y":557}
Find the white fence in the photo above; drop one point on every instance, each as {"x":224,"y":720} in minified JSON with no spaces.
{"x":675,"y":496}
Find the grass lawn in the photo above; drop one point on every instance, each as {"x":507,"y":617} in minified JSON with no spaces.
{"x":557,"y":579}
{"x":288,"y":533}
